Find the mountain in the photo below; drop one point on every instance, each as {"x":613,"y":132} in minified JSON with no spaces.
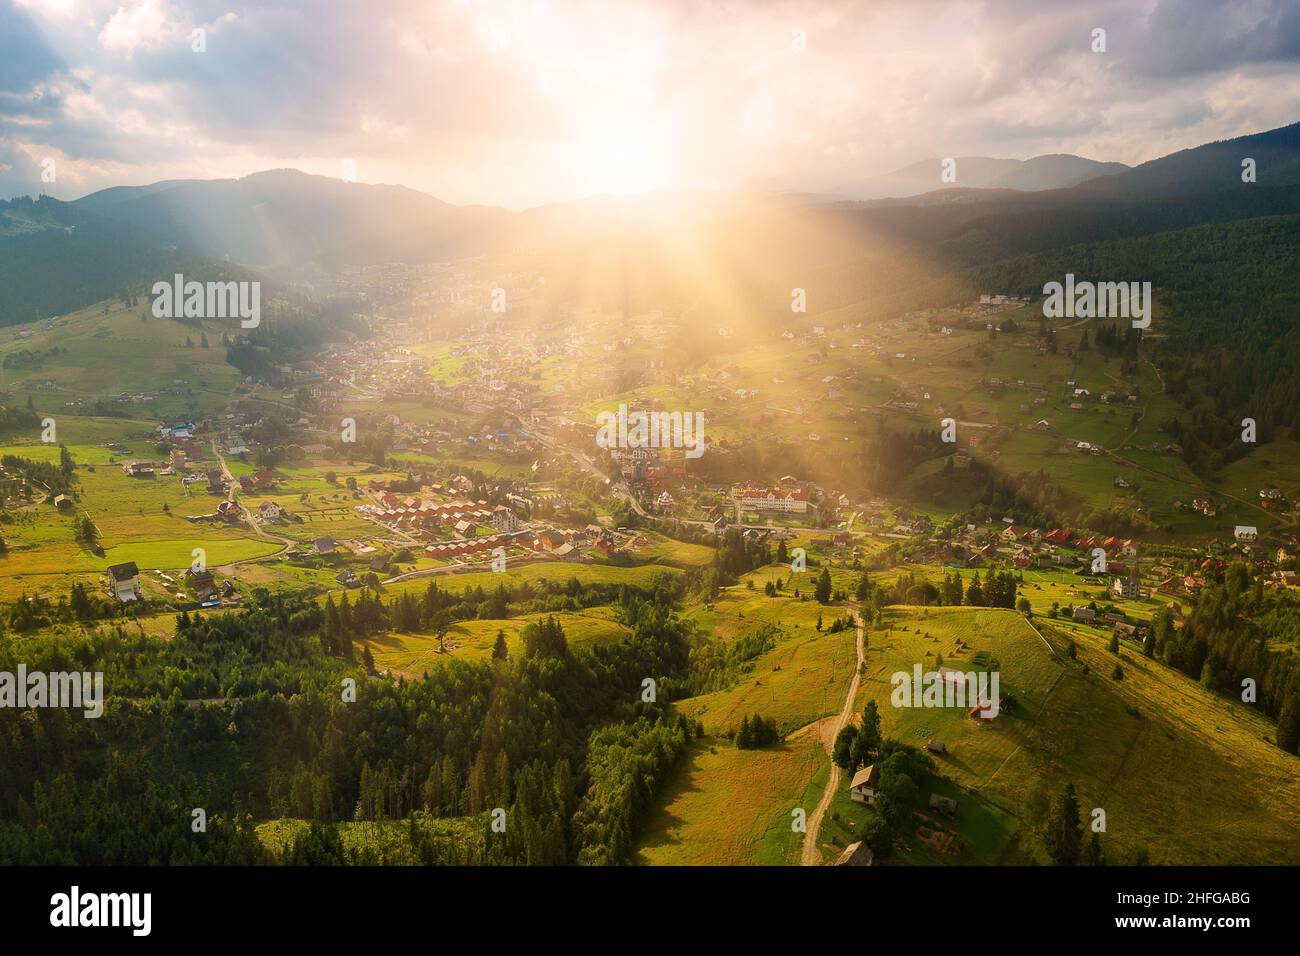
{"x":1055,"y":171}
{"x":56,"y":258}
{"x":288,"y":219}
{"x":1211,"y":168}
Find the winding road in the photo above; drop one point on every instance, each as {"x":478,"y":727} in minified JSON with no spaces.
{"x":811,"y":853}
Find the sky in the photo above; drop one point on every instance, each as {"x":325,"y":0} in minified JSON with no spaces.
{"x":520,"y":103}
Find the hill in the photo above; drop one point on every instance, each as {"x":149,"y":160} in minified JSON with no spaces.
{"x":285,"y":218}
{"x":1054,"y":171}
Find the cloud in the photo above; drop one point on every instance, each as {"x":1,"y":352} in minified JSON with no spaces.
{"x":506,"y":102}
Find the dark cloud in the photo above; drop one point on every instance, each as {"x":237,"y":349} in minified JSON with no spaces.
{"x":25,"y":59}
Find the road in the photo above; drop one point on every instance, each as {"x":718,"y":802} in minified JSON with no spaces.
{"x":590,"y":467}
{"x":811,"y":855}
{"x":231,"y":484}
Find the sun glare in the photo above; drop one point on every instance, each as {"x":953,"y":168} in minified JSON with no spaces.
{"x":620,"y":163}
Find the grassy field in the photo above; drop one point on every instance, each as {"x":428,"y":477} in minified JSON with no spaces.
{"x":102,"y":355}
{"x":415,"y":654}
{"x":729,"y":807}
{"x":801,"y":680}
{"x":1156,"y":751}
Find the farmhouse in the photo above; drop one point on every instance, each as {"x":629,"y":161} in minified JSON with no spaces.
{"x":1245,"y":533}
{"x":863,"y":786}
{"x":124,"y":581}
{"x":1085,"y":614}
{"x":203,"y":583}
{"x":63,"y":502}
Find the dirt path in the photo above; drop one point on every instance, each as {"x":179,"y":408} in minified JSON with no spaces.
{"x":811,"y":853}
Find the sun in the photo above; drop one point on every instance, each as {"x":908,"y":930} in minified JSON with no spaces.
{"x":620,"y":162}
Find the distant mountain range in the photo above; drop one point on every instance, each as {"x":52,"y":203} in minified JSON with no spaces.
{"x":1055,"y":171}
{"x":56,"y":256}
{"x":286,"y":218}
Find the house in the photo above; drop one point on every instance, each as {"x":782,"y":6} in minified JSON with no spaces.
{"x":1246,"y":533}
{"x":269,"y":511}
{"x":946,"y":804}
{"x":936,"y":746}
{"x":323,"y":545}
{"x":202,"y":583}
{"x":864,"y":785}
{"x":63,"y":502}
{"x":1085,"y":614}
{"x":124,"y":581}
{"x":216,"y":483}
{"x":1126,"y":587}
{"x":550,"y":540}
{"x":855,"y":854}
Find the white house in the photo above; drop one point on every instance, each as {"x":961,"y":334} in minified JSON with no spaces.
{"x":1246,"y":532}
{"x":864,"y":785}
{"x":124,"y":580}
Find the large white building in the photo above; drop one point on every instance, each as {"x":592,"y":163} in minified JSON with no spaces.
{"x":755,"y":498}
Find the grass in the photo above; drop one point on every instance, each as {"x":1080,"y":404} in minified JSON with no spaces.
{"x":415,"y":654}
{"x":1161,"y":755}
{"x":730,"y":807}
{"x":801,"y":680}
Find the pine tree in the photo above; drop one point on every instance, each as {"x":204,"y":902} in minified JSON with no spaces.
{"x":823,"y":590}
{"x":1064,"y":831}
{"x":1094,"y":856}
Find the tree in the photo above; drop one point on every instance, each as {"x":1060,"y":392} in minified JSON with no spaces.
{"x":845,"y":745}
{"x":868,"y":741}
{"x":441,"y":624}
{"x":1064,"y":831}
{"x":1288,"y":726}
{"x":499,"y":650}
{"x":823,"y":590}
{"x":1094,"y":856}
